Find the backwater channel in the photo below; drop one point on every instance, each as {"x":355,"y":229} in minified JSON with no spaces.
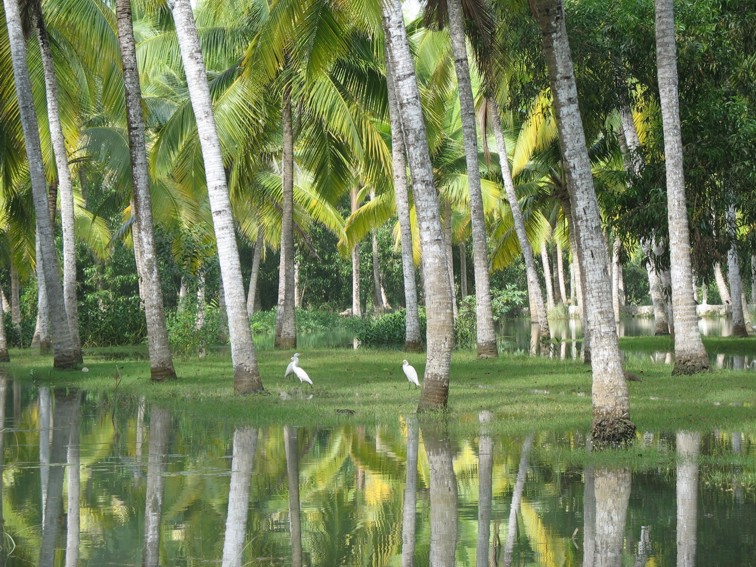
{"x":127,"y":485}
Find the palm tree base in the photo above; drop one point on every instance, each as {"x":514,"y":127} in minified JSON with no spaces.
{"x":4,"y":356}
{"x":434,"y":395}
{"x":64,"y":360}
{"x":739,"y":330}
{"x":285,"y":343}
{"x":611,"y":431}
{"x":662,"y":331}
{"x":162,"y":373}
{"x":247,"y":381}
{"x":488,"y":350}
{"x":693,"y":364}
{"x":414,"y":346}
{"x":45,"y":347}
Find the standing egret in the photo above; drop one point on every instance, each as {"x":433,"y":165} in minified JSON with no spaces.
{"x":410,"y":373}
{"x":301,"y":374}
{"x":292,"y":364}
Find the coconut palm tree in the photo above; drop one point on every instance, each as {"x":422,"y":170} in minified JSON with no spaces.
{"x":440,"y":331}
{"x":611,"y":407}
{"x":64,"y":355}
{"x":733,"y":273}
{"x":690,"y":354}
{"x":161,"y":362}
{"x":246,"y":374}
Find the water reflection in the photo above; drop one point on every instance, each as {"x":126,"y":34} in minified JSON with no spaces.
{"x":209,"y":493}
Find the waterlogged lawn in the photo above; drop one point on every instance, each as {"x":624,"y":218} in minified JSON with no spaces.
{"x":524,"y":393}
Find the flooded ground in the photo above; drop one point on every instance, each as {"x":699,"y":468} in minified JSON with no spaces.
{"x":127,"y":484}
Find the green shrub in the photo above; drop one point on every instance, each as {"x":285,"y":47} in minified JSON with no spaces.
{"x":19,"y":337}
{"x":186,"y":339}
{"x":387,"y":329}
{"x":506,"y":302}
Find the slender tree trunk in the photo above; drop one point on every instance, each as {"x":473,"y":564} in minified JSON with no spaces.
{"x":612,"y":494}
{"x":286,"y":322}
{"x":486,"y":336}
{"x":160,"y":424}
{"x":242,"y":464}
{"x":4,"y":356}
{"x":252,"y":294}
{"x":44,"y":407}
{"x":547,"y":276}
{"x":15,"y":300}
{"x":413,"y":341}
{"x":161,"y":361}
{"x":577,"y":268}
{"x":243,"y":356}
{"x":356,"y":304}
{"x":463,"y":292}
{"x":63,"y":347}
{"x":733,"y":273}
{"x":410,"y":495}
{"x":753,"y":278}
{"x":616,"y":267}
{"x":661,"y":326}
{"x":538,"y":309}
{"x":292,"y":472}
{"x":440,"y":329}
{"x":560,"y":273}
{"x":611,"y":404}
{"x":443,"y":498}
{"x":73,"y":461}
{"x":690,"y":354}
{"x":485,"y":489}
{"x":724,"y":292}
{"x":446,"y":224}
{"x":514,"y":507}
{"x":41,"y":336}
{"x":182,"y":294}
{"x":688,"y":447}
{"x":65,"y":188}
{"x":378,"y":304}
{"x":199,"y":317}
{"x":222,"y":316}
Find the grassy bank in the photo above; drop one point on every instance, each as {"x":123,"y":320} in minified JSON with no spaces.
{"x":524,"y":393}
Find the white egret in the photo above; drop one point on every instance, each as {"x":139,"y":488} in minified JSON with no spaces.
{"x":301,"y":374}
{"x":294,"y":362}
{"x":410,"y":373}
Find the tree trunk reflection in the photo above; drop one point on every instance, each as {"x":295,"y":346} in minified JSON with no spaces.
{"x":522,"y":473}
{"x":410,"y":495}
{"x":612,"y":494}
{"x":160,"y":423}
{"x":242,"y":463}
{"x":443,"y":497}
{"x":688,"y":447}
{"x":292,"y":471}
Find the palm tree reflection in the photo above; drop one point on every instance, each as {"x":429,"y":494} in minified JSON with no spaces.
{"x":160,"y":423}
{"x":292,"y":471}
{"x":688,"y":447}
{"x":242,"y":464}
{"x":410,"y":495}
{"x":443,"y":496}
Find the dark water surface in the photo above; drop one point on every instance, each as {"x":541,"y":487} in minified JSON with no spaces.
{"x":145,"y":487}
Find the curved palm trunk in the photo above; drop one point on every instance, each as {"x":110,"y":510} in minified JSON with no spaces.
{"x":65,"y":189}
{"x":611,"y":404}
{"x":161,"y":362}
{"x":486,"y":336}
{"x":292,"y":473}
{"x":690,"y":354}
{"x":733,"y":273}
{"x":242,"y":464}
{"x":722,"y":289}
{"x":243,"y":356}
{"x":356,"y":305}
{"x":443,"y":498}
{"x":688,"y":447}
{"x":286,"y":322}
{"x":63,"y":347}
{"x":534,"y":286}
{"x":252,"y":293}
{"x":612,"y":494}
{"x":440,"y":330}
{"x":410,"y":495}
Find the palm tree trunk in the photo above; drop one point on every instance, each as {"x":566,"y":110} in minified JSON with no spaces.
{"x":243,"y":356}
{"x":252,"y":293}
{"x":161,"y":361}
{"x":753,"y":278}
{"x":463,"y":292}
{"x":410,"y":495}
{"x":242,"y":464}
{"x":611,"y":405}
{"x":440,"y":329}
{"x":356,"y":305}
{"x":534,"y":287}
{"x":65,"y":188}
{"x":73,"y":462}
{"x":44,"y":407}
{"x":486,"y":336}
{"x":413,"y":341}
{"x":616,"y":267}
{"x":547,"y":276}
{"x":446,"y":220}
{"x":199,"y":316}
{"x":560,"y":273}
{"x":733,"y":273}
{"x":286,"y":323}
{"x":15,"y":299}
{"x":292,"y":472}
{"x":514,"y":507}
{"x":612,"y":494}
{"x":485,"y":490}
{"x":724,"y":292}
{"x":378,"y":303}
{"x":4,"y":356}
{"x":688,"y":448}
{"x":442,"y":489}
{"x":655,"y":290}
{"x":690,"y":354}
{"x":63,"y":347}
{"x":160,"y":423}
{"x":579,"y":279}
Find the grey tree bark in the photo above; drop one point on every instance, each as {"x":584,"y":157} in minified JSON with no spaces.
{"x":246,"y":374}
{"x":379,"y":294}
{"x":538,"y":309}
{"x":160,"y":424}
{"x":242,"y":464}
{"x":722,"y":289}
{"x":446,"y":226}
{"x":688,"y":448}
{"x":161,"y":361}
{"x":440,"y":330}
{"x":485,"y":489}
{"x":486,"y":336}
{"x":413,"y":341}
{"x":612,"y":494}
{"x":611,"y":405}
{"x":410,"y":495}
{"x":616,"y":267}
{"x":547,"y":276}
{"x":733,"y":273}
{"x":15,"y":299}
{"x":690,"y":354}
{"x":286,"y":322}
{"x":356,"y":288}
{"x":63,"y":347}
{"x":560,"y":272}
{"x":4,"y":356}
{"x":65,"y":189}
{"x":463,"y":289}
{"x":257,"y":255}
{"x":443,"y":498}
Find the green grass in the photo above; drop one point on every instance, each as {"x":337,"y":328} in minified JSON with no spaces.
{"x":524,"y":393}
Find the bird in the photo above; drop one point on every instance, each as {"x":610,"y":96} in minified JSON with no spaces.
{"x":410,"y":373}
{"x":294,"y":362}
{"x":301,"y":374}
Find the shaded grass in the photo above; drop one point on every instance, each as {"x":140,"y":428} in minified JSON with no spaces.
{"x":524,"y":393}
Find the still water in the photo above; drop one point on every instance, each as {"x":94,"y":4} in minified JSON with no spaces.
{"x":127,"y":484}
